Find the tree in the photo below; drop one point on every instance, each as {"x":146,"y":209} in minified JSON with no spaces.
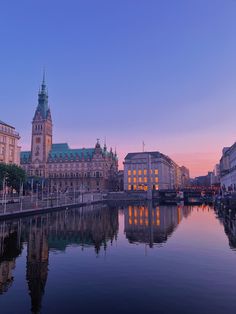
{"x":14,"y":176}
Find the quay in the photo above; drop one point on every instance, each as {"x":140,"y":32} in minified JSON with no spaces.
{"x":28,"y":205}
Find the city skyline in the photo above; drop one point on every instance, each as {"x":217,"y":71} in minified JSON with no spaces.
{"x":160,"y":73}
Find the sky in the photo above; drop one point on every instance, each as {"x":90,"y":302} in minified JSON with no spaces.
{"x":158,"y":71}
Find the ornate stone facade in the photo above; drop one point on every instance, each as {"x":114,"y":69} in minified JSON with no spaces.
{"x":9,"y":149}
{"x":63,"y":168}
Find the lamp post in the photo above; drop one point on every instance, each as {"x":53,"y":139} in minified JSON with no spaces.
{"x":21,"y":195}
{"x":37,"y":194}
{"x":4,"y":198}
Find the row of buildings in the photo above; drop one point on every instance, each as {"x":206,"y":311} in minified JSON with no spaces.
{"x":228,"y":168}
{"x":85,"y":169}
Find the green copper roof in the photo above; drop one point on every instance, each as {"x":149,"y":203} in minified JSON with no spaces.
{"x":60,"y":147}
{"x":64,"y":152}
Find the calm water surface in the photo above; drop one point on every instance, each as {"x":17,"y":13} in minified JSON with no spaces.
{"x":133,"y":259}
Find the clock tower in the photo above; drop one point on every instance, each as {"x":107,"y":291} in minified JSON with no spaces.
{"x":41,"y":142}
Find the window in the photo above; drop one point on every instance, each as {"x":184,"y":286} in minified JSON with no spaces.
{"x":140,"y":172}
{"x":156,"y":179}
{"x":145,"y":179}
{"x":156,"y":171}
{"x":135,"y":187}
{"x":37,"y":140}
{"x":145,"y":172}
{"x":129,"y":187}
{"x":134,"y":172}
{"x":129,"y":180}
{"x":11,"y":152}
{"x":135,"y":180}
{"x":140,"y":179}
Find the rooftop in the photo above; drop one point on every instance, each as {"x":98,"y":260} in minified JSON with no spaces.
{"x":63,"y":151}
{"x":5,"y":124}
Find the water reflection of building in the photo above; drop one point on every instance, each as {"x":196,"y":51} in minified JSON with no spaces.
{"x":228,"y":219}
{"x":152,"y":225}
{"x":10,"y":249}
{"x":37,"y":261}
{"x":92,"y":226}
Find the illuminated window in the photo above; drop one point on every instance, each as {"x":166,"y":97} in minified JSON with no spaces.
{"x":145,"y":172}
{"x":140,"y":172}
{"x":145,"y":179}
{"x":156,"y":179}
{"x":129,"y":180}
{"x":145,"y":188}
{"x":134,"y":172}
{"x":135,"y":221}
{"x":157,"y":186}
{"x":135,"y":212}
{"x":130,"y":221}
{"x":130,"y":211}
{"x":140,"y":179}
{"x":135,"y":187}
{"x":156,"y":171}
{"x":135,"y":180}
{"x":141,"y":221}
{"x":129,"y":187}
{"x":129,"y":172}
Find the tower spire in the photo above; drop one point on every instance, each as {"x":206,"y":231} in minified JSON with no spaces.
{"x":43,"y":81}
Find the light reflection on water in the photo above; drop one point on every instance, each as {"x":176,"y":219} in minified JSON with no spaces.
{"x":140,"y":258}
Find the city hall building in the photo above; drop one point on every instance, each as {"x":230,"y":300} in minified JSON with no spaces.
{"x":84,"y":169}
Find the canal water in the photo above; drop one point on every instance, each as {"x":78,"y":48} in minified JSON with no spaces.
{"x":140,"y":258}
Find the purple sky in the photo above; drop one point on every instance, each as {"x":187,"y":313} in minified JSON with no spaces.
{"x":158,"y":71}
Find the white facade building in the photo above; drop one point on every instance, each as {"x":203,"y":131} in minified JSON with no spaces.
{"x":228,"y":168}
{"x":149,"y":170}
{"x":9,"y":149}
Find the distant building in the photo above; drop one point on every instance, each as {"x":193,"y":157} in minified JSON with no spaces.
{"x":185,"y":176}
{"x":120,"y":179}
{"x":63,"y":168}
{"x":9,"y":149}
{"x":150,"y":170}
{"x":228,"y":168}
{"x":215,"y":179}
{"x":203,"y":181}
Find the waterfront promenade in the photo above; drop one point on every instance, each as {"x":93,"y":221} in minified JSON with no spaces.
{"x":28,"y":205}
